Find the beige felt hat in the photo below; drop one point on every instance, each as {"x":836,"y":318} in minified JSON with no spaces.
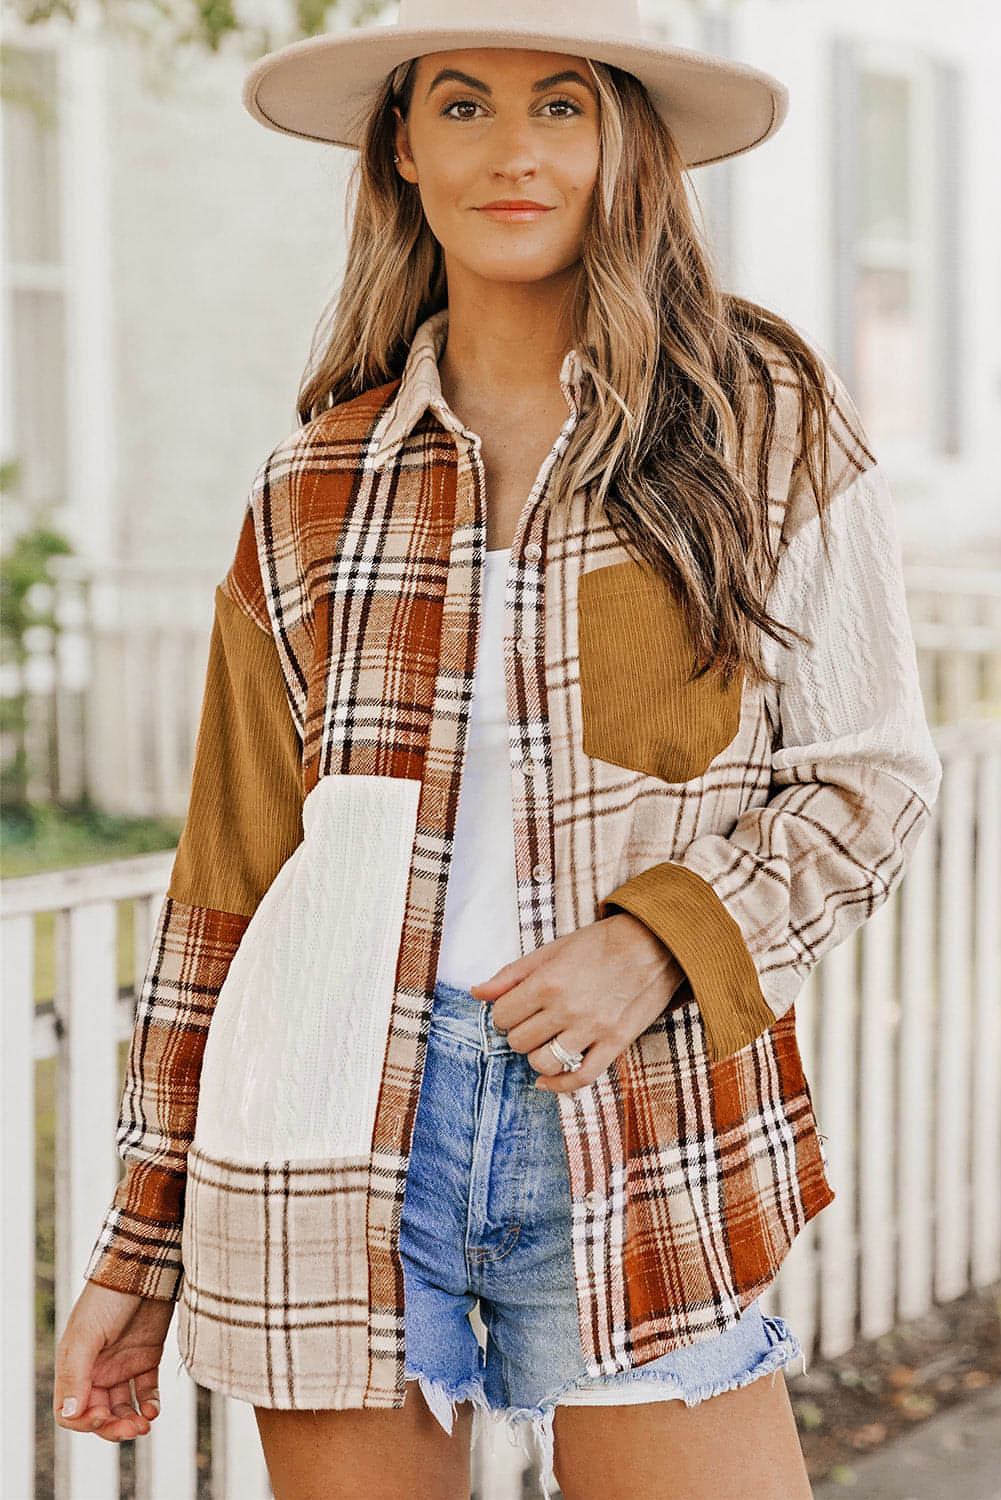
{"x":322,"y":87}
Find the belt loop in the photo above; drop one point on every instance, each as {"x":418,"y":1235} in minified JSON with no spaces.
{"x":484,"y":1035}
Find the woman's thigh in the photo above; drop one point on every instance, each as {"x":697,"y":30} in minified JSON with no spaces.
{"x":395,"y":1453}
{"x":740,"y":1443}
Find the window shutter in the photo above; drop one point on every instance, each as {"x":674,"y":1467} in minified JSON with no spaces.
{"x":715,"y":183}
{"x":844,"y":178}
{"x":947,"y":104}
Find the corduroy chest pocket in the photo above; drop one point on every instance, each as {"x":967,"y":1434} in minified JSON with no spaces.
{"x":635,"y":653}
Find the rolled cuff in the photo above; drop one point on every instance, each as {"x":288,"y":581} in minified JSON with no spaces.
{"x":687,"y":915}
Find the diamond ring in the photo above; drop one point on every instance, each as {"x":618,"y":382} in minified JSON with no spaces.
{"x":571,"y":1060}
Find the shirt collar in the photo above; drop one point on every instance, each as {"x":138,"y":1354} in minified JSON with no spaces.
{"x":420,"y":388}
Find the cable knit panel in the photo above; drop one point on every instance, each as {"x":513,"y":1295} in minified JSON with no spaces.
{"x":855,"y":693}
{"x":294,"y":1055}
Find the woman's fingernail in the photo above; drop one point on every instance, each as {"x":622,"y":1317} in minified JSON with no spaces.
{"x":68,"y":1408}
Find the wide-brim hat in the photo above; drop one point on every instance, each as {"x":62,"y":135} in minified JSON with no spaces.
{"x":322,"y":88}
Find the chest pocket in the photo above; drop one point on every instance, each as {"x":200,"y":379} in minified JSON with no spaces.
{"x":635,"y":654}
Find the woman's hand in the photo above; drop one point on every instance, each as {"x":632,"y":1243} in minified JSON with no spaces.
{"x":110,"y":1338}
{"x":595,"y":990}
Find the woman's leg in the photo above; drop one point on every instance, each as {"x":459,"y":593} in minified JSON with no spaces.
{"x":739,"y":1444}
{"x":395,"y":1453}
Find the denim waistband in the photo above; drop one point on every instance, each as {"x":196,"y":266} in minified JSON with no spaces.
{"x":461,"y":1015}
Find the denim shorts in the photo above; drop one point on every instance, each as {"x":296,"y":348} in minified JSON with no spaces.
{"x":486,"y":1220}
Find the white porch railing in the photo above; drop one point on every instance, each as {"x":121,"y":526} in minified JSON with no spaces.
{"x":113,"y":700}
{"x":900,"y":1030}
{"x":955,"y":615}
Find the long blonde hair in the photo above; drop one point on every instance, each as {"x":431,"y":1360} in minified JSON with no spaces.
{"x":671,"y":359}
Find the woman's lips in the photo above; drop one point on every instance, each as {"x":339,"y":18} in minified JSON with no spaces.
{"x":524,"y":212}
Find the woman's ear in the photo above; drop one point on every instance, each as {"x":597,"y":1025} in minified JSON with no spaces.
{"x":401,"y":145}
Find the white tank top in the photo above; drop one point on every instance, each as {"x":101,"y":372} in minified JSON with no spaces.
{"x":481,"y":931}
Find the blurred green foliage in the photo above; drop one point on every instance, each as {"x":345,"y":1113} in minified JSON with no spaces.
{"x":26,"y":605}
{"x":204,"y":24}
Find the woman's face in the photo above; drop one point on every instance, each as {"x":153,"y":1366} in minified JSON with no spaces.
{"x":490,"y":124}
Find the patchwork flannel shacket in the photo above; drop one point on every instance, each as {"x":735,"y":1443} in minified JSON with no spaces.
{"x":281,"y":1028}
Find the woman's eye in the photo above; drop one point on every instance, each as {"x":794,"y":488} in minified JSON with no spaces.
{"x":456,"y":103}
{"x":570,"y":102}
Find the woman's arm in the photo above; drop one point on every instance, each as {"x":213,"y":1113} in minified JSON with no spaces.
{"x":244,"y":819}
{"x":854,"y":778}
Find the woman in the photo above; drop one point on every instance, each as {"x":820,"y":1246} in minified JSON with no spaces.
{"x":521,"y":810}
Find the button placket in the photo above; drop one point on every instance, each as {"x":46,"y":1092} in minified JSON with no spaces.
{"x":525,"y":676}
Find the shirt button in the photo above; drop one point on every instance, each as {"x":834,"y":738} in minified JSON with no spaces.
{"x":593,"y":1200}
{"x":524,"y":643}
{"x":533,"y":550}
{"x":540,"y":872}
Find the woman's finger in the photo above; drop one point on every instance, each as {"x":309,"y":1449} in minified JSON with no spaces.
{"x":98,"y":1408}
{"x":124,"y":1421}
{"x":147,"y":1393}
{"x":532,"y":1034}
{"x":596,"y":1060}
{"x":120,"y":1398}
{"x":545,"y":1061}
{"x":77,"y":1404}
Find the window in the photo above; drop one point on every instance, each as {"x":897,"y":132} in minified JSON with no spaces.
{"x":34,"y":418}
{"x":896,"y":227}
{"x":891,"y":336}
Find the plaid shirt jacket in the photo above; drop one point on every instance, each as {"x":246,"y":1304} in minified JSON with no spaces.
{"x":281,"y":1029}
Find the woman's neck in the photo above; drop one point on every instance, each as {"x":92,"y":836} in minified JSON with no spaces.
{"x":506,"y":348}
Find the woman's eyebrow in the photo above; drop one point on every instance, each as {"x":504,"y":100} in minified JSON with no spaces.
{"x":569,"y":75}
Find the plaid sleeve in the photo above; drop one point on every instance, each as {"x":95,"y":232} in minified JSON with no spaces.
{"x":855,"y":773}
{"x":244,"y":819}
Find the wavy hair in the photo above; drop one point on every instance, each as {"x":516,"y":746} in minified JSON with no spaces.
{"x":673,"y":365}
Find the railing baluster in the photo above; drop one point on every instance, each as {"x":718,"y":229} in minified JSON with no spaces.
{"x":238,"y":1468}
{"x":87,"y":1080}
{"x":985,"y":1169}
{"x":793,"y":1293}
{"x":877,"y":1023}
{"x":17,"y":1194}
{"x":952,"y":1083}
{"x":166,"y":1459}
{"x":914,"y":1122}
{"x":838,"y":1003}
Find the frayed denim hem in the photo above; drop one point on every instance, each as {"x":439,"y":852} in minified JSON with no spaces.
{"x":442,"y":1399}
{"x":522,"y":1422}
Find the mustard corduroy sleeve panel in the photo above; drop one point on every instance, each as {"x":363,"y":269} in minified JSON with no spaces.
{"x":245,"y":806}
{"x":244,"y":819}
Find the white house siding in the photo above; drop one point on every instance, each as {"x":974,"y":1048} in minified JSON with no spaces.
{"x":227,"y":242}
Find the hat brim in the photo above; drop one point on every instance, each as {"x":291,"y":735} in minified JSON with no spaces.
{"x":322,"y":88}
